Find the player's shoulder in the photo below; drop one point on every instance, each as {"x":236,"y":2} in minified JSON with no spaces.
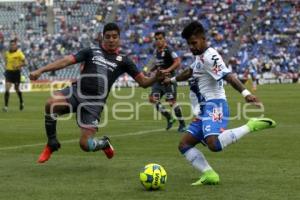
{"x":123,"y":57}
{"x":20,"y":52}
{"x":168,"y":48}
{"x":211,"y":54}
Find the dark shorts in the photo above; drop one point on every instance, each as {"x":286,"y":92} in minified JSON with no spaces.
{"x":87,"y":110}
{"x":159,"y":90}
{"x":13,"y":76}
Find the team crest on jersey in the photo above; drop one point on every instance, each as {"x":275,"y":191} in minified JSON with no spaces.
{"x":216,"y":114}
{"x":95,"y":123}
{"x":216,"y":69}
{"x":119,"y":58}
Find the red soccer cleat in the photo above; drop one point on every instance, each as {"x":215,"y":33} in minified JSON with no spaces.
{"x":108,"y":150}
{"x":45,"y":155}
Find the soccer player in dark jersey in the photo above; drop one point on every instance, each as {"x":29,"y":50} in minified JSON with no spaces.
{"x":167,"y":60}
{"x":102,"y":66}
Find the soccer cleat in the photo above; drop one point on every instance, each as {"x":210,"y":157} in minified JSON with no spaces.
{"x":170,"y":123}
{"x":108,"y":148}
{"x":21,"y":106}
{"x":209,"y":177}
{"x":53,"y":145}
{"x":257,"y":124}
{"x":181,"y":128}
{"x":45,"y":155}
{"x":5,"y":109}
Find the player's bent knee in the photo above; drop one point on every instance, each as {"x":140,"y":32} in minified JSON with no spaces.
{"x":184,"y":147}
{"x":84,"y":145}
{"x":213,"y":144}
{"x":152,"y":99}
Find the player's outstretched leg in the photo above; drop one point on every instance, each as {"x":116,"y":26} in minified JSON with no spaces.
{"x":231,"y":136}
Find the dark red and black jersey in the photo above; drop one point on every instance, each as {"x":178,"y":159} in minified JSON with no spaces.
{"x":165,"y":58}
{"x":101,"y":69}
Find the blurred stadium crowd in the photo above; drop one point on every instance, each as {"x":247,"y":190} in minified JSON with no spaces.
{"x":241,"y":30}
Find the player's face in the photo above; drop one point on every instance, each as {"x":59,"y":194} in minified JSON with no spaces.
{"x":197,"y":44}
{"x":160,"y":41}
{"x":111,"y":40}
{"x":13,"y":46}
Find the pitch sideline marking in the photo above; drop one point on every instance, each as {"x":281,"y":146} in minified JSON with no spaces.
{"x":73,"y":140}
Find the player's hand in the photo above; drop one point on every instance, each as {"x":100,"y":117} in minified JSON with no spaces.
{"x":159,"y":75}
{"x":35,"y":75}
{"x":165,"y":71}
{"x":166,"y":81}
{"x":253,"y":100}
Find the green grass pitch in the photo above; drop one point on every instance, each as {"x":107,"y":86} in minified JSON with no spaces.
{"x":260,"y":166}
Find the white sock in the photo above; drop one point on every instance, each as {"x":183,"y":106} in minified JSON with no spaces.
{"x":197,"y":159}
{"x":232,"y":135}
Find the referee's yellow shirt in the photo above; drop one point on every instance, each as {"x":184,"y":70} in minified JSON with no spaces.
{"x":14,"y":59}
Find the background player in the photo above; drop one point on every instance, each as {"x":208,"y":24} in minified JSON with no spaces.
{"x":210,"y":70}
{"x":14,"y":61}
{"x":87,"y":96}
{"x":167,"y":61}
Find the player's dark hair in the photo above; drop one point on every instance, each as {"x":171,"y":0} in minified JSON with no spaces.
{"x":111,"y":27}
{"x":13,"y":41}
{"x":160,"y":33}
{"x":193,"y":28}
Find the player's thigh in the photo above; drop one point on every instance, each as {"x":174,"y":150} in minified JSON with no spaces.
{"x":188,"y":140}
{"x":61,"y":102}
{"x":8,"y":85}
{"x":171,"y":92}
{"x":88,"y":113}
{"x":156,"y":93}
{"x":195,"y":130}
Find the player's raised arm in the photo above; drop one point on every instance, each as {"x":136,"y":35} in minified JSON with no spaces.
{"x":145,"y":81}
{"x":59,"y":64}
{"x":183,"y":76}
{"x":174,"y":66}
{"x":236,"y":84}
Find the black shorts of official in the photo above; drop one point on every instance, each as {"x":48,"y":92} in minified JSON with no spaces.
{"x":87,"y":110}
{"x":160,"y":90}
{"x":13,"y":76}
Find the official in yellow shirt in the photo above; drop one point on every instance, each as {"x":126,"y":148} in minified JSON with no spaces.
{"x":14,"y":61}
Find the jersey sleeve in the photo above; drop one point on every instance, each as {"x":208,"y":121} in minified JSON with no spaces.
{"x":21,"y":55}
{"x":172,"y":53}
{"x":214,"y":65}
{"x":82,"y":55}
{"x":131,"y":68}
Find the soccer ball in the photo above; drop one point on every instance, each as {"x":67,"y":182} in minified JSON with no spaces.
{"x":153,"y":177}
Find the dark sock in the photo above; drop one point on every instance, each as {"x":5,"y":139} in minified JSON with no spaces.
{"x":163,"y":111}
{"x":20,"y":97}
{"x":178,"y":114}
{"x":50,"y":125}
{"x":6,"y":98}
{"x":96,"y":144}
